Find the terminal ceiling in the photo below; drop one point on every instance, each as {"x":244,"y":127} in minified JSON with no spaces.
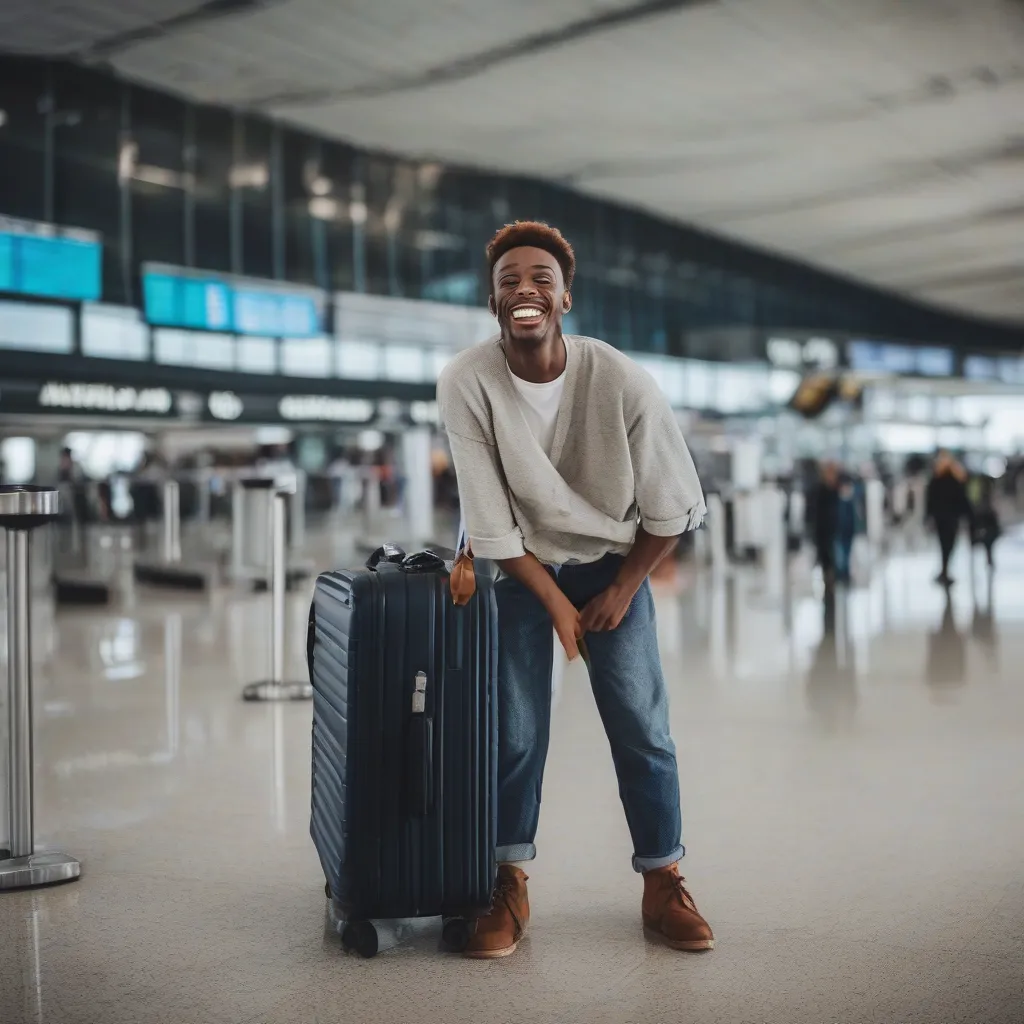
{"x":882,"y":139}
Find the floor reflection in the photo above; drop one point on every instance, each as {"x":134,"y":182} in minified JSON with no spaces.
{"x":831,"y":685}
{"x":946,"y":666}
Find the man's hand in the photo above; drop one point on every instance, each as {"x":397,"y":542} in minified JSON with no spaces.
{"x":567,"y":626}
{"x":607,"y":610}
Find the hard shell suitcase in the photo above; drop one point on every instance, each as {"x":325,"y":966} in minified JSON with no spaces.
{"x":404,"y":777}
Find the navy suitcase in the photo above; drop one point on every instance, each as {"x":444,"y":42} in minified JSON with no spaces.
{"x":404,"y":778}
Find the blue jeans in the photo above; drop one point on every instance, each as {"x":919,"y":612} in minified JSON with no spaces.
{"x":842,"y":551}
{"x":629,"y":687}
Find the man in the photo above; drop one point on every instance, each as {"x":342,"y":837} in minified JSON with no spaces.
{"x":574,"y":477}
{"x":946,"y":505}
{"x":824,"y":518}
{"x":834,"y":518}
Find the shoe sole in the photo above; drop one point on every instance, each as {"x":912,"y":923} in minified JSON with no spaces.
{"x":687,"y":946}
{"x":490,"y":954}
{"x":493,"y":954}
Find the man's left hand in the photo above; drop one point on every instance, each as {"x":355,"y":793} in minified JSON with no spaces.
{"x":607,"y":610}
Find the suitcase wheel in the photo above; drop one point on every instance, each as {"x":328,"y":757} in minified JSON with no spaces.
{"x":360,"y":936}
{"x":456,"y":932}
{"x":327,"y":890}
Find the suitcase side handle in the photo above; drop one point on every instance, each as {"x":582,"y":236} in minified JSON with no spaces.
{"x":419,"y":754}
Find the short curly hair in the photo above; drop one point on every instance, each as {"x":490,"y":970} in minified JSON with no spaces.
{"x":533,"y":233}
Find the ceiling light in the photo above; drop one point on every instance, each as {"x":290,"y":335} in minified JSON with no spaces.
{"x":249,"y":176}
{"x":323,"y":208}
{"x":357,"y":211}
{"x":321,"y":186}
{"x":429,"y":175}
{"x":152,"y":175}
{"x":126,"y":157}
{"x":392,"y":217}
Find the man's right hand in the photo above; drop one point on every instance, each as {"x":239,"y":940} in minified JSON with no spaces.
{"x":567,"y":626}
{"x":541,"y":582}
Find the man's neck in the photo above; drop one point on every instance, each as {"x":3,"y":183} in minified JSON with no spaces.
{"x":537,"y":364}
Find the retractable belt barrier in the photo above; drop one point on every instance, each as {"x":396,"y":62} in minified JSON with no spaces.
{"x":22,"y":510}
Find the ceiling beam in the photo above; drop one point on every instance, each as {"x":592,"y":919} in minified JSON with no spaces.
{"x":473,"y":64}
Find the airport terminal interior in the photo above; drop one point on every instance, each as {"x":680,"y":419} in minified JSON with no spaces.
{"x":239,"y":245}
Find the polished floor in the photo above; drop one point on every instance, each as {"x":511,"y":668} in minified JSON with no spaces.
{"x":853,"y":780}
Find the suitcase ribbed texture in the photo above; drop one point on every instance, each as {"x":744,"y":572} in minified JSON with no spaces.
{"x":403,"y":805}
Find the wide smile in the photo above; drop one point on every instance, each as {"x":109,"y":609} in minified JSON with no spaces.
{"x":527,"y":313}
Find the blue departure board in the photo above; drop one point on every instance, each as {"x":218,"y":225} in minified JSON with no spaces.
{"x":187,"y":299}
{"x":909,"y":360}
{"x":45,"y":260}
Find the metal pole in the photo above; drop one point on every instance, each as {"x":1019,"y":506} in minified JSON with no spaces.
{"x":278,"y":519}
{"x":22,"y":509}
{"x":237,"y":534}
{"x":275,"y":688}
{"x":203,"y":482}
{"x":172,"y":522}
{"x":371,"y":504}
{"x":298,"y":532}
{"x":19,"y":675}
{"x":716,"y":532}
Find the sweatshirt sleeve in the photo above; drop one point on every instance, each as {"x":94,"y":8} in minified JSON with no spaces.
{"x":668,"y":492}
{"x":483,"y":493}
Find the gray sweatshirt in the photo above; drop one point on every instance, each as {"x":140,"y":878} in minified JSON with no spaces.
{"x":618,"y":457}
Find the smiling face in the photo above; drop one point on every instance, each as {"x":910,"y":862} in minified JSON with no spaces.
{"x":528,"y":295}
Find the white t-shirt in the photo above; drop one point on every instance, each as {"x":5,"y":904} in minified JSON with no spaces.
{"x":540,"y":403}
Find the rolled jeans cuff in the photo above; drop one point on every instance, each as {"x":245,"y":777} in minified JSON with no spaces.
{"x":642,"y":864}
{"x":515,"y":852}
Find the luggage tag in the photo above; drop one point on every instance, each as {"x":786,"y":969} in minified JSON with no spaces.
{"x":462,"y":579}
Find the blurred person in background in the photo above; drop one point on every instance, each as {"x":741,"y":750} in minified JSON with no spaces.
{"x":576,"y":480}
{"x":946,"y":506}
{"x":985,"y":526}
{"x":71,"y":484}
{"x":834,"y":520}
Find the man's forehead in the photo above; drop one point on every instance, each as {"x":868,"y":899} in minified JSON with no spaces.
{"x":526,"y":256}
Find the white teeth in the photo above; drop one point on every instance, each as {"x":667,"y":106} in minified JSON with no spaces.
{"x":525,"y":312}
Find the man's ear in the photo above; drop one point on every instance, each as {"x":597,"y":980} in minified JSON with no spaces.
{"x":491,"y":306}
{"x":566,"y":302}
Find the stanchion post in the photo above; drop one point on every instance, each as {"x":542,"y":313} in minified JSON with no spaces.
{"x":276,"y":688}
{"x":237,"y":530}
{"x":172,"y":522}
{"x":297,"y":539}
{"x":276,"y":584}
{"x":716,"y":533}
{"x":23,"y":509}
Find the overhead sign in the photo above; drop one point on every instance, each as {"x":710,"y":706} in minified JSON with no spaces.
{"x":105,"y":398}
{"x":810,"y":353}
{"x":383,"y":319}
{"x":80,"y":398}
{"x":900,"y":360}
{"x":325,"y":409}
{"x":176,"y":297}
{"x":1004,"y":369}
{"x":50,"y":261}
{"x":225,"y":405}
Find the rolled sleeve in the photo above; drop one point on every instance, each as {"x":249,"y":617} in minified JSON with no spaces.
{"x":673,"y":527}
{"x":490,"y":523}
{"x":498,"y":548}
{"x":669,"y":497}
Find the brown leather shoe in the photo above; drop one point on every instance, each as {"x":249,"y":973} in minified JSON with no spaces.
{"x":669,"y":913}
{"x":499,"y":932}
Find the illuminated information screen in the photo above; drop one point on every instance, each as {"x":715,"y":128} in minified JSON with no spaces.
{"x":49,"y":261}
{"x":181,"y":298}
{"x":911,"y":360}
